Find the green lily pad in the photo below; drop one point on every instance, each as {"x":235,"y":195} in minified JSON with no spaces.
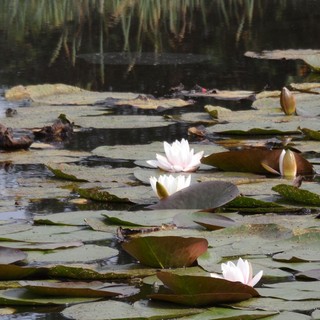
{"x":119,"y":310}
{"x":312,"y":274}
{"x":94,"y":289}
{"x":219,"y":313}
{"x":203,"y":195}
{"x":23,"y":297}
{"x":63,"y":175}
{"x":57,"y":234}
{"x":166,"y":252}
{"x":297,"y":195}
{"x":311,"y":134}
{"x":100,"y":195}
{"x":87,"y":253}
{"x":273,"y":304}
{"x":208,"y":220}
{"x":143,"y":218}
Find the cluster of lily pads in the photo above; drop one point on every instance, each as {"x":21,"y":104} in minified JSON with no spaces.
{"x":173,"y":249}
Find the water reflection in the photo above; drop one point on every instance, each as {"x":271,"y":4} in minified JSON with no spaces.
{"x":42,"y":41}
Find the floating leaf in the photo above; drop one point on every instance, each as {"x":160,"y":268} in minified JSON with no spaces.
{"x":311,"y":134}
{"x":247,"y":205}
{"x":21,"y":296}
{"x":202,"y":290}
{"x":63,"y":175}
{"x":87,"y":253}
{"x":9,"y":255}
{"x":209,"y":220}
{"x":310,"y":56}
{"x":313,"y":274}
{"x":100,"y":195}
{"x":203,"y":195}
{"x":297,"y":195}
{"x":13,"y":272}
{"x":77,"y":289}
{"x":119,"y":310}
{"x":250,"y":160}
{"x":166,"y":251}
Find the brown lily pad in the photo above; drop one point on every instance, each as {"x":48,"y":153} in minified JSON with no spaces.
{"x":250,"y":160}
{"x":202,"y":290}
{"x":166,"y":251}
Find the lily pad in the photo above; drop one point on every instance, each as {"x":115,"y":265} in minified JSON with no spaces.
{"x":58,"y":234}
{"x":250,"y":160}
{"x":297,"y":195}
{"x":310,"y":56}
{"x":313,"y":274}
{"x":9,"y":255}
{"x":120,"y":310}
{"x":87,"y":253}
{"x":100,"y":195}
{"x":203,"y":195}
{"x":166,"y":252}
{"x":22,"y":297}
{"x":15,"y":272}
{"x":311,"y":134}
{"x":208,"y":220}
{"x":202,"y":290}
{"x":94,"y":289}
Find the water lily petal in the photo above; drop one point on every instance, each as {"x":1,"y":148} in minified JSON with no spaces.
{"x":255,"y":279}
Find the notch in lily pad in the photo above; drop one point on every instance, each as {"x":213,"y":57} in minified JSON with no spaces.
{"x":166,"y":251}
{"x":199,"y":291}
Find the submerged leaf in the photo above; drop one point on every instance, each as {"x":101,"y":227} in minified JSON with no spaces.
{"x":166,"y":251}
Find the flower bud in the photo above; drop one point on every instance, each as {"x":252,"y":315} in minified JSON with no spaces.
{"x":287,"y":101}
{"x":287,"y":164}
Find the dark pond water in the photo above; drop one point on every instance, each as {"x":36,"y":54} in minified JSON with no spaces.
{"x":120,"y":46}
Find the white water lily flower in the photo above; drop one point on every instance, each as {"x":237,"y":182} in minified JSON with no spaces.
{"x":179,"y":157}
{"x":166,"y":185}
{"x":241,"y":272}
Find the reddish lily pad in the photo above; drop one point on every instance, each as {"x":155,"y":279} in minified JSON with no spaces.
{"x":166,"y":251}
{"x":202,"y":290}
{"x":204,"y":195}
{"x":250,"y":160}
{"x":9,"y":255}
{"x":13,"y":272}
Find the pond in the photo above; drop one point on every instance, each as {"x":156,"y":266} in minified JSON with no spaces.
{"x":152,"y":49}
